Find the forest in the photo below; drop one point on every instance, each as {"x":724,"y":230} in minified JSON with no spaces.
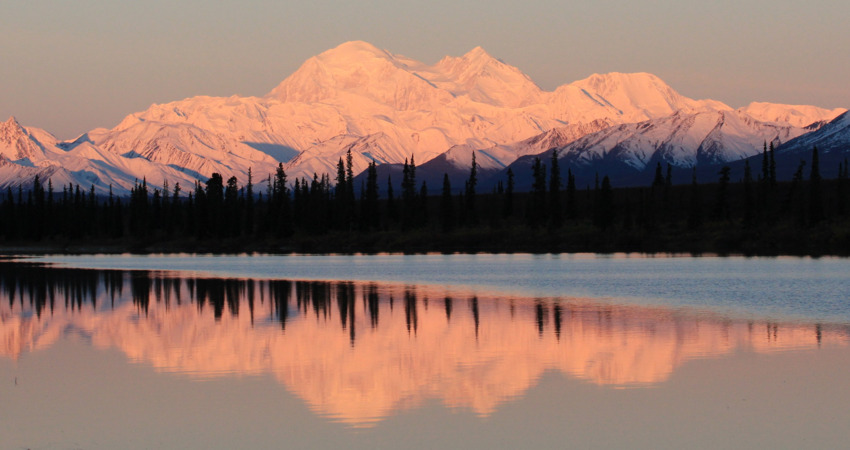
{"x":754,"y":215}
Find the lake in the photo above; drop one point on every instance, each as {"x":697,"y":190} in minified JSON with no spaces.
{"x":423,"y":351}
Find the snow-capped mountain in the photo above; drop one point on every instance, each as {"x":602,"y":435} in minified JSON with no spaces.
{"x":387,"y":107}
{"x":29,"y":152}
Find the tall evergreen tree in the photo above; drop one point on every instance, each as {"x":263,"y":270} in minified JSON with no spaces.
{"x":249,"y":203}
{"x":370,"y":211}
{"x":816,"y":214}
{"x":471,"y":183}
{"x":214,"y":204}
{"x":231,"y":208}
{"x":392,"y":209}
{"x":765,"y":164}
{"x":658,"y":181}
{"x":749,"y":202}
{"x":556,"y":214}
{"x":538,"y":208}
{"x":447,"y":215}
{"x":408,"y":194}
{"x":508,"y":203}
{"x":572,"y":206}
{"x":772,"y":154}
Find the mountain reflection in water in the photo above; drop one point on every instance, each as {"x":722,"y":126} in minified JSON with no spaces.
{"x":360,"y":352}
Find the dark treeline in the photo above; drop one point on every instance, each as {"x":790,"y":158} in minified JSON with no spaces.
{"x":752,"y":215}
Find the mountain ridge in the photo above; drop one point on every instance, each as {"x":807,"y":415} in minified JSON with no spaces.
{"x":387,"y":107}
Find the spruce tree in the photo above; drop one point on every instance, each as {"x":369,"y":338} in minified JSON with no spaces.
{"x":772,"y":174}
{"x":249,"y":204}
{"x":447,"y":214}
{"x":538,"y":208}
{"x":572,"y":207}
{"x":556,"y":214}
{"x":471,"y":183}
{"x":371,"y":211}
{"x":749,"y":214}
{"x":815,"y":190}
{"x":508,"y":203}
{"x":231,"y":208}
{"x":765,"y":164}
{"x":658,"y":181}
{"x":214,"y":205}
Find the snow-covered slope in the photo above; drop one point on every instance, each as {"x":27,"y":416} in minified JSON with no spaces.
{"x":682,"y":139}
{"x":833,"y":137}
{"x":796,"y":115}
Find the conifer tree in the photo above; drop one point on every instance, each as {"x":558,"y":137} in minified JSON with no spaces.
{"x":471,"y":183}
{"x":537,"y":208}
{"x":765,"y":165}
{"x":231,"y":208}
{"x":408,"y":194}
{"x":249,"y":203}
{"x":508,"y":203}
{"x":572,"y":207}
{"x":658,"y":181}
{"x":214,"y":205}
{"x":749,"y":214}
{"x":446,"y":206}
{"x":372,"y":216}
{"x":816,"y":213}
{"x":556,"y":214}
{"x":392,"y":209}
{"x":772,"y":173}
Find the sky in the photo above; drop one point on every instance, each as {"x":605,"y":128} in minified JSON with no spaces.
{"x":69,"y":66}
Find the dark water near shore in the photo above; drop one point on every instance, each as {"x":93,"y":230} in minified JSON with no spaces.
{"x":424,"y":351}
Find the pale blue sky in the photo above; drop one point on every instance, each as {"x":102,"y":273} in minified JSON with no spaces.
{"x":71,"y":65}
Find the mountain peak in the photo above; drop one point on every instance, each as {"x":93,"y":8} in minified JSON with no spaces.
{"x":353,"y":49}
{"x":11,"y":127}
{"x":488,"y":80}
{"x":477,"y":53}
{"x":641,"y":92}
{"x":12,"y":121}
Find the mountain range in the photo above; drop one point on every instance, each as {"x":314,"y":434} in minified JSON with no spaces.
{"x":390,"y":108}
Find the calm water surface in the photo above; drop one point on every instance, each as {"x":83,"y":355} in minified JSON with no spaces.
{"x":473,"y":351}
